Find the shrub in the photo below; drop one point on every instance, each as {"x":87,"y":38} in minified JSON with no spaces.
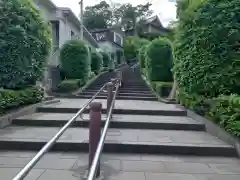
{"x":10,"y":99}
{"x":97,"y":62}
{"x":225,"y":110}
{"x":207,"y":48}
{"x":74,"y":56}
{"x":69,"y":85}
{"x":159,"y":60}
{"x":105,"y":58}
{"x":142,"y":56}
{"x":162,"y":88}
{"x":25,"y":41}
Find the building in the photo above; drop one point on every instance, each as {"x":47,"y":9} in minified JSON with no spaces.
{"x":65,"y":26}
{"x":149,"y":27}
{"x":110,"y":40}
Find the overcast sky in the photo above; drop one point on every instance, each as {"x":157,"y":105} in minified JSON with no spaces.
{"x":165,"y":8}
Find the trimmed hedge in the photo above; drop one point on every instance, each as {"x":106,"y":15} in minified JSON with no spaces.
{"x":75,"y":61}
{"x":225,"y":110}
{"x":25,"y":41}
{"x":142,"y":56}
{"x":163,"y":89}
{"x":207,"y":48}
{"x":69,"y":85}
{"x":105,"y":58}
{"x":159,"y":59}
{"x":97,"y":62}
{"x":10,"y":99}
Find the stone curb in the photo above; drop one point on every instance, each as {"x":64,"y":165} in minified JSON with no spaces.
{"x":6,"y":120}
{"x":216,"y":130}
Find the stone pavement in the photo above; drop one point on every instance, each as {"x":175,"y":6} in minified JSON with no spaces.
{"x":71,"y":166}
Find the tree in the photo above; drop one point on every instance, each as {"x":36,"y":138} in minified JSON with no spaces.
{"x":131,"y":15}
{"x":98,"y":16}
{"x":25,"y":41}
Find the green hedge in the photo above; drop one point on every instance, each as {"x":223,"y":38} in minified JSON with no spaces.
{"x":10,"y":99}
{"x":24,"y":45}
{"x":159,"y":59}
{"x":142,"y":56}
{"x":225,"y":110}
{"x":75,"y":60}
{"x":69,"y":85}
{"x":97,"y":62}
{"x":163,"y":89}
{"x":207,"y":47}
{"x":105,"y":58}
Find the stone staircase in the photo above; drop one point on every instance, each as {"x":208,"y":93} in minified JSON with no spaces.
{"x":140,"y":125}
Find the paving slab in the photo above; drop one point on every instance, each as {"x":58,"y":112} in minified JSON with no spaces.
{"x":120,"y":166}
{"x":118,"y":140}
{"x":118,"y":121}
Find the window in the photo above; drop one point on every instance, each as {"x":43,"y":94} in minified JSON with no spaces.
{"x":117,"y":39}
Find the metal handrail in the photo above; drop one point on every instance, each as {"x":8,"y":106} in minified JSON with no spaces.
{"x":24,"y":172}
{"x":93,"y":168}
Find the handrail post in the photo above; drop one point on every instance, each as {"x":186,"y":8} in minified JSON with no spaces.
{"x":94,"y":132}
{"x":109,"y":95}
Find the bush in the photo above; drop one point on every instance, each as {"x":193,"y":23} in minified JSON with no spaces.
{"x":25,"y":41}
{"x":142,"y":56}
{"x":10,"y":99}
{"x":97,"y":62}
{"x":225,"y":110}
{"x":159,"y":60}
{"x":69,"y":85}
{"x":105,"y":58}
{"x":207,"y":47}
{"x":163,"y":89}
{"x":74,"y":56}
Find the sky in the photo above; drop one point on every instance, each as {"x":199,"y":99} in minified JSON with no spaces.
{"x":166,"y":9}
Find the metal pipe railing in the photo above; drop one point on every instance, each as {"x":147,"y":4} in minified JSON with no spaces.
{"x":24,"y":172}
{"x":93,"y":168}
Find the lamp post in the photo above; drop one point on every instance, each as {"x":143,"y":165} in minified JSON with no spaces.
{"x":81,"y":19}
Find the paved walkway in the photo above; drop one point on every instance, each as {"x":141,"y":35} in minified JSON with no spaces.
{"x":66,"y":166}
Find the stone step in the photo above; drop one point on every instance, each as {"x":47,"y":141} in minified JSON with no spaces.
{"x":134,"y":107}
{"x":120,"y":97}
{"x":123,"y":88}
{"x":118,"y":121}
{"x":195,"y":143}
{"x":149,"y":94}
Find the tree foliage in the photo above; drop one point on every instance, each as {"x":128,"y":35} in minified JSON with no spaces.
{"x":75,"y":62}
{"x":159,"y":59}
{"x":207,"y":48}
{"x":125,"y":15}
{"x":25,"y":41}
{"x":97,"y":16}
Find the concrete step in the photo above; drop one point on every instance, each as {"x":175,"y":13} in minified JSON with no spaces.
{"x":134,"y":107}
{"x":118,"y":121}
{"x":121,"y":97}
{"x":119,"y":94}
{"x":195,"y":143}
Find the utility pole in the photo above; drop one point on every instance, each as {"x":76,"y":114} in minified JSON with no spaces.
{"x":81,"y":19}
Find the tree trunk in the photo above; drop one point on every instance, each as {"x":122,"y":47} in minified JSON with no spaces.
{"x":172,"y":94}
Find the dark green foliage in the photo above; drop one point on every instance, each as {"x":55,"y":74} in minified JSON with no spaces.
{"x":207,"y":48}
{"x":159,"y":60}
{"x":142,"y":55}
{"x":69,"y":85}
{"x":97,"y":62}
{"x":105,"y":58}
{"x":10,"y":99}
{"x":25,"y":41}
{"x":163,"y":89}
{"x":225,"y":110}
{"x":75,"y":60}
